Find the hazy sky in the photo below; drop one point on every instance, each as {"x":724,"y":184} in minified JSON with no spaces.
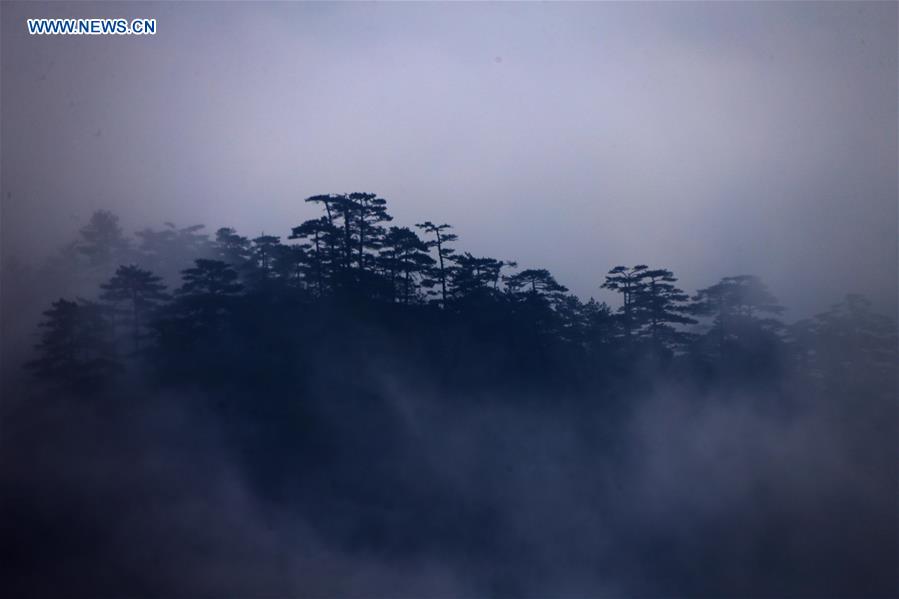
{"x":710,"y":138}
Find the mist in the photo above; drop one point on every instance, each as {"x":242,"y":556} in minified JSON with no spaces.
{"x":450,"y":300}
{"x":574,"y":136}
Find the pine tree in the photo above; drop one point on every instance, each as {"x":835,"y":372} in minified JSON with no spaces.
{"x":472,"y":277}
{"x":134,"y":294}
{"x":317,"y":239}
{"x":599,"y":326}
{"x":850,"y":346}
{"x":330,"y":233}
{"x":346,"y":210}
{"x":740,"y":306}
{"x":207,"y":294}
{"x":662,"y":306}
{"x":289,"y":263}
{"x":76,"y":348}
{"x":405,"y":258}
{"x":233,"y":249}
{"x":168,"y":250}
{"x":212,"y":278}
{"x":444,"y":253}
{"x":745,"y":337}
{"x":629,"y":282}
{"x":535,"y":281}
{"x":371,"y":212}
{"x":102,"y":240}
{"x":262,"y":256}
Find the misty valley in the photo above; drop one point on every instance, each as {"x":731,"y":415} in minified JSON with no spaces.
{"x":357,"y":407}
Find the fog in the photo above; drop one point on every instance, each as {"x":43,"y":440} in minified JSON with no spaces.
{"x":702,"y":496}
{"x":713,"y":139}
{"x":288,"y":419}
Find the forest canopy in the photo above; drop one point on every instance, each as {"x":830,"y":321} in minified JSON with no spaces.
{"x":167,"y":293}
{"x":387,"y":389}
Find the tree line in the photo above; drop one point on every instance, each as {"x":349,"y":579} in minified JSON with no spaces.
{"x":177,"y":296}
{"x":409,"y":399}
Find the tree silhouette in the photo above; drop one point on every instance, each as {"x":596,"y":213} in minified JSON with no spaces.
{"x":738,"y":304}
{"x":535,"y":281}
{"x":207,"y":295}
{"x":319,"y":365}
{"x":76,"y":348}
{"x":371,"y":212}
{"x":597,"y":324}
{"x":346,"y":210}
{"x":473,"y":277}
{"x":629,"y":282}
{"x":212,"y":278}
{"x":318,"y":235}
{"x":345,"y":267}
{"x":289,"y":263}
{"x":745,"y":334}
{"x":167,"y":250}
{"x":405,"y":258}
{"x":574,"y":318}
{"x":663,"y":305}
{"x":330,"y":234}
{"x":743,"y":295}
{"x":535,"y":293}
{"x":849,"y":346}
{"x":263,"y":250}
{"x":326,"y":200}
{"x":441,"y":239}
{"x":233,"y":249}
{"x":102,"y":240}
{"x":141,"y":292}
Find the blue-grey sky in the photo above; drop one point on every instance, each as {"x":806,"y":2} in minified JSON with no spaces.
{"x":710,"y":138}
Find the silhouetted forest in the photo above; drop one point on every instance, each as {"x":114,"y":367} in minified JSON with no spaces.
{"x":413,"y":403}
